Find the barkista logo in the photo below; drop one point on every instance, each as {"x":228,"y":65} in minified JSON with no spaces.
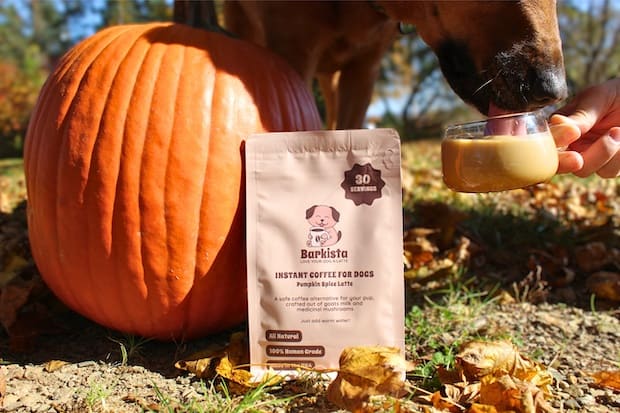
{"x":322,"y":220}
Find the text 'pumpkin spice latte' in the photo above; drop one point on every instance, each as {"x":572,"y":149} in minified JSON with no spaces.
{"x":133,"y":163}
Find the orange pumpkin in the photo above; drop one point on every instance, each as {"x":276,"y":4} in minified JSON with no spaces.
{"x":133,"y":162}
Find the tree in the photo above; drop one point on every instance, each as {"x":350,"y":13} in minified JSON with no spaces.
{"x":411,"y":76}
{"x":34,"y":34}
{"x":132,"y":11}
{"x":590,"y":31}
{"x":21,"y":76}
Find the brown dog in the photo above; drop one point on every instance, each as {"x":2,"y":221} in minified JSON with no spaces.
{"x":500,"y":56}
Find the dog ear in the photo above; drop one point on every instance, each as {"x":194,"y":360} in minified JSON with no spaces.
{"x":310,"y":211}
{"x":335,"y":214}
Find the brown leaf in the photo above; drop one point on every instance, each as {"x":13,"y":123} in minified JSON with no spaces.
{"x":204,"y":362}
{"x":442,"y":216}
{"x":203,"y":368}
{"x":12,"y":298}
{"x":444,"y":403}
{"x":228,"y":361}
{"x":508,"y":393}
{"x":54,"y":365}
{"x":478,"y":359}
{"x":367,"y":371}
{"x":416,"y":258}
{"x":608,"y":379}
{"x":481,"y":408}
{"x":605,"y":285}
{"x":592,"y":256}
{"x":31,"y":324}
{"x":11,"y":268}
{"x":226,"y":369}
{"x":417,"y":248}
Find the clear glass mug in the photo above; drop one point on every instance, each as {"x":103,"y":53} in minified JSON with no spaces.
{"x":499,"y":153}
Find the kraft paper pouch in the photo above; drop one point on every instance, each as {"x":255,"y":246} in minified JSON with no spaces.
{"x":324,"y":246}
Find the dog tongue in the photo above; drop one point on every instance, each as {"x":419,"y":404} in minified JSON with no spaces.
{"x":495,"y":111}
{"x":503,"y":126}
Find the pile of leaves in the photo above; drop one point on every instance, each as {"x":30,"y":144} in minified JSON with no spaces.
{"x":488,"y":377}
{"x":557,"y":242}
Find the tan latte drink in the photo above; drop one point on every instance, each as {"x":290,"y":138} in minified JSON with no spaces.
{"x":488,"y":157}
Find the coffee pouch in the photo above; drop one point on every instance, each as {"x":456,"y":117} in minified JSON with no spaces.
{"x":324,"y":246}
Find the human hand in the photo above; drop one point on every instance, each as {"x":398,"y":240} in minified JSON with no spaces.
{"x":589,"y":128}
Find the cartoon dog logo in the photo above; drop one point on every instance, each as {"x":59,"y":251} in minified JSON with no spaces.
{"x":322,"y":220}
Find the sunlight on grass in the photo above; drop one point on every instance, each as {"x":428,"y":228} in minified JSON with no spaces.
{"x":12,"y":184}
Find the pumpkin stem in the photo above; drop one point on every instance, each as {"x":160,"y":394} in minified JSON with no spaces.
{"x":199,"y":14}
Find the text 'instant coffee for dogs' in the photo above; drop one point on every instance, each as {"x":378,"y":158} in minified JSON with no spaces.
{"x":324,"y":242}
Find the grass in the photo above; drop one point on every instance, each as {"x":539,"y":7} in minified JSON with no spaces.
{"x":96,"y":396}
{"x":129,"y":346}
{"x":436,"y":329}
{"x":12,"y":184}
{"x":11,"y":167}
{"x":217,"y":398}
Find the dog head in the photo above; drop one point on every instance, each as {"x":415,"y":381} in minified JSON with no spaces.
{"x":500,"y":56}
{"x":322,"y":216}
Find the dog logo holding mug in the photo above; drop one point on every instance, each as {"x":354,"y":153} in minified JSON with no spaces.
{"x":322,"y":220}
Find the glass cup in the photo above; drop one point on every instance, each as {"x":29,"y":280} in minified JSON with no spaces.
{"x":499,"y":153}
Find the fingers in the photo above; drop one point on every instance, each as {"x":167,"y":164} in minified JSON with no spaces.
{"x":564,"y":130}
{"x":603,"y":156}
{"x":569,"y":161}
{"x":588,"y":107}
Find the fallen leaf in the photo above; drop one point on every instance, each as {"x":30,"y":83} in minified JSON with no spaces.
{"x":508,"y":393}
{"x":478,"y":359}
{"x":227,"y":361}
{"x":237,"y":374}
{"x":481,"y":408}
{"x":12,"y":298}
{"x":54,"y":365}
{"x":203,"y":368}
{"x":605,"y":284}
{"x":608,"y":379}
{"x":367,"y":371}
{"x":442,"y":216}
{"x":592,"y":256}
{"x":11,"y":268}
{"x":444,"y":403}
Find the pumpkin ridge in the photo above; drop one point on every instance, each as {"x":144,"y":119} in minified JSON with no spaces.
{"x":65,"y":64}
{"x":153,"y":240}
{"x":295,"y":101}
{"x":204,"y":257}
{"x":126,"y":199}
{"x":69,"y":76}
{"x":91,"y":198}
{"x":286,"y":101}
{"x":175,"y":233}
{"x":105,"y":178}
{"x":224,"y":139}
{"x":198,"y":89}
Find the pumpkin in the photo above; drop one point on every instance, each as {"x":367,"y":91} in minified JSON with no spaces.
{"x":133,"y":163}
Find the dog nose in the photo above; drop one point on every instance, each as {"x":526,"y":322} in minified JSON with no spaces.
{"x":547,"y":86}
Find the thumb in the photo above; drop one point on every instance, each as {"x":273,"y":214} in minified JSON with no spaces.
{"x":585,"y":109}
